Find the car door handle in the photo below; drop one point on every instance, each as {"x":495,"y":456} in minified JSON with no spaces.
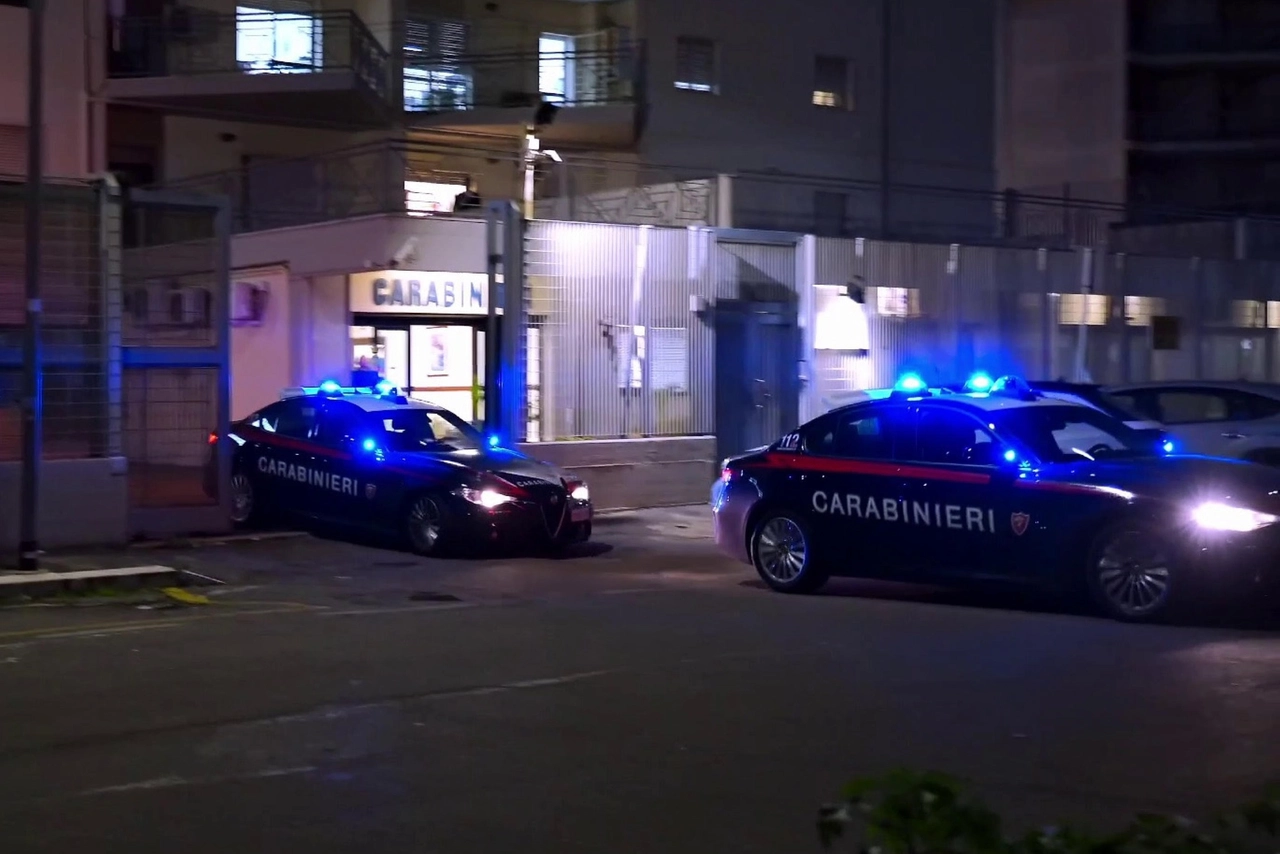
{"x":1234,"y":435}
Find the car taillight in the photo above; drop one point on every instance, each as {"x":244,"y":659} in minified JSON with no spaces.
{"x":213,"y":438}
{"x":726,"y":474}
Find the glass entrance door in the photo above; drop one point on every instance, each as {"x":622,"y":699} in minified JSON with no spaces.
{"x":435,"y":363}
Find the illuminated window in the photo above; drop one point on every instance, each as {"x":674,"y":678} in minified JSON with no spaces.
{"x":555,"y":68}
{"x":832,"y":83}
{"x":1083,"y":309}
{"x":1138,"y":311}
{"x":696,"y":64}
{"x":898,"y":302}
{"x":423,"y":198}
{"x":270,"y":42}
{"x":1251,"y":314}
{"x":435,"y":75}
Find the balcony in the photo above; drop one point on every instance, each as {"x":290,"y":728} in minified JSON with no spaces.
{"x":598,"y":92}
{"x":257,"y":66}
{"x":1187,"y":44}
{"x":1176,"y":131}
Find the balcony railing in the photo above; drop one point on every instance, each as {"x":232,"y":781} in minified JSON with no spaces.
{"x":516,"y":80}
{"x":190,"y":41}
{"x":1191,"y":126}
{"x":1211,"y":38}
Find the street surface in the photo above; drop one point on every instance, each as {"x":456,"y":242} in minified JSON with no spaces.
{"x":646,"y":696}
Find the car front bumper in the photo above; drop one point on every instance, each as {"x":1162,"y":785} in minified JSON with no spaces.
{"x":1236,"y":562}
{"x":524,"y":522}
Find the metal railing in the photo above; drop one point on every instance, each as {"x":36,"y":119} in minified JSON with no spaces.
{"x":191,"y":41}
{"x":516,"y":79}
{"x":1205,"y":38}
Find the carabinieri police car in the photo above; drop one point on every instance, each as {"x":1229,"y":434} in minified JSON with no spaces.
{"x":375,"y":459}
{"x":926,"y":484}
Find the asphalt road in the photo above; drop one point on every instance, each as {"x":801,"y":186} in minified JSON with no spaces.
{"x":646,"y":697}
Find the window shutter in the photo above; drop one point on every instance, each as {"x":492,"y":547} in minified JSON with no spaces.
{"x":13,"y":150}
{"x":436,"y":41}
{"x":695,"y":63}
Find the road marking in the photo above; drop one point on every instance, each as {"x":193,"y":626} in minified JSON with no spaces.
{"x":171,"y":782}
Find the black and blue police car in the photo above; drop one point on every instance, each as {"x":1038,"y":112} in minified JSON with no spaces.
{"x":373,"y":458}
{"x":929,"y":484}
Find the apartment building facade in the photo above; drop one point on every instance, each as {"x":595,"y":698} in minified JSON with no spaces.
{"x":1158,"y":104}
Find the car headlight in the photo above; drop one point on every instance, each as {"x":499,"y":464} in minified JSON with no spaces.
{"x":1216,"y":516}
{"x":486,"y":498}
{"x":580,"y":493}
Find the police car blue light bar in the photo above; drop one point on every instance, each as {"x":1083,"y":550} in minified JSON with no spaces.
{"x":909,"y":383}
{"x":980,"y":381}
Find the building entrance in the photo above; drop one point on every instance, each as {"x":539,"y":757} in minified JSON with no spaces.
{"x":440,"y":362}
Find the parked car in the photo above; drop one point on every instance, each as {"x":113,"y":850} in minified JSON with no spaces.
{"x":1239,"y":420}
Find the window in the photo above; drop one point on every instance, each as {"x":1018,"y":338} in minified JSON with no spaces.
{"x":1071,"y":433}
{"x":270,"y":42}
{"x":861,"y":433}
{"x":1189,"y":407}
{"x":435,"y":77}
{"x":832,"y":83}
{"x":952,"y":438}
{"x":696,"y":60}
{"x":293,"y":418}
{"x":555,"y":68}
{"x":339,"y":425}
{"x":1253,"y":406}
{"x":414,"y":429}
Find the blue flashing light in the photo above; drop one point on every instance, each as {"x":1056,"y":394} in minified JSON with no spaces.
{"x":369,"y":445}
{"x":1168,"y":446}
{"x":384,"y":387}
{"x":980,"y":381}
{"x":1010,"y":455}
{"x":909,"y":382}
{"x":493,"y":441}
{"x":330,"y":387}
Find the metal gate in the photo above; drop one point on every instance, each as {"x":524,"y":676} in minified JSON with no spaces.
{"x":172,"y":315}
{"x":757,"y":390}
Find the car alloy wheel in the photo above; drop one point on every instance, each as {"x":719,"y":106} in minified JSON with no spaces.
{"x":781,"y":553}
{"x":425,"y":521}
{"x":241,"y":498}
{"x":1131,"y":574}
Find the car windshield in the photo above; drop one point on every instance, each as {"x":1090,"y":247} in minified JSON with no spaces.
{"x":1059,"y":434}
{"x":435,"y":430}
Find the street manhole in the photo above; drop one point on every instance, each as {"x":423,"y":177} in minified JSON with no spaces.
{"x":432,"y":596}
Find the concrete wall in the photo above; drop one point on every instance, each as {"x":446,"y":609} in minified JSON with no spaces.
{"x":1064,"y":97}
{"x":82,"y":503}
{"x":74,"y":131}
{"x":629,"y":473}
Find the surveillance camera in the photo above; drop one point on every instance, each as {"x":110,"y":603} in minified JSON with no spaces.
{"x":406,"y":253}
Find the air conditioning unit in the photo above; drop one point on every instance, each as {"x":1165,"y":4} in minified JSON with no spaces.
{"x":248,"y":303}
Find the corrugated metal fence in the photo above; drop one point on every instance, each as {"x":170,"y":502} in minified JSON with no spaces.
{"x":622,"y":318}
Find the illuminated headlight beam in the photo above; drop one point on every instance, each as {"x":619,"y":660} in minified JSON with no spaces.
{"x":1216,"y":516}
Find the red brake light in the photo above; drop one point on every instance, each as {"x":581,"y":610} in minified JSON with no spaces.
{"x":213,"y":438}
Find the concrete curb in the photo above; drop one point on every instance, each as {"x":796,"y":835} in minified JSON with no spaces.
{"x":52,"y":582}
{"x":623,"y":514}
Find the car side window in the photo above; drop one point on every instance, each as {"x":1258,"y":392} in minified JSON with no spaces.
{"x":1140,"y":403}
{"x":339,"y":424}
{"x":267,"y":418}
{"x":1247,"y":406}
{"x":865,"y":433}
{"x":296,"y":419}
{"x":944,"y":436}
{"x":1192,"y":406}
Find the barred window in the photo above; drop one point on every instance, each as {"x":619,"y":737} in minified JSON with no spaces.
{"x":832,"y":83}
{"x":696,"y":64}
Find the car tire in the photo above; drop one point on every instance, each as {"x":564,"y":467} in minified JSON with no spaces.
{"x":424,"y":524}
{"x":245,"y":511}
{"x":1131,"y":572}
{"x":782,"y":552}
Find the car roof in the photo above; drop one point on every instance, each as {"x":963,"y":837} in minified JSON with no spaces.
{"x":980,"y":401}
{"x":373,"y":402}
{"x":1269,"y":389}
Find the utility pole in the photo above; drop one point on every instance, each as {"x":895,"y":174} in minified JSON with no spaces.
{"x":33,"y":376}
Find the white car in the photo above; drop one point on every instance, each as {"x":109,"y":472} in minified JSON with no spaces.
{"x":1239,"y":420}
